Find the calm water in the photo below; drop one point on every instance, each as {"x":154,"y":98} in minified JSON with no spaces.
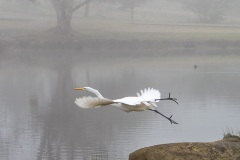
{"x":39,"y":120}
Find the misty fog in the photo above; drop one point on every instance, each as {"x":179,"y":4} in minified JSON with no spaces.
{"x":190,"y":48}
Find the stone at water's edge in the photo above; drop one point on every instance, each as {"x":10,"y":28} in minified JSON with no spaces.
{"x":226,"y":149}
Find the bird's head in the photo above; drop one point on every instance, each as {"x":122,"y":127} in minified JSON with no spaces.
{"x":84,"y":88}
{"x":89,"y":89}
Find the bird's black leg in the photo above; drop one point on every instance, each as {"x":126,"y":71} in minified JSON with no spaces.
{"x":169,"y":98}
{"x":169,"y":118}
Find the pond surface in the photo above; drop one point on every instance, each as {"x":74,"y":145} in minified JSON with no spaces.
{"x":39,"y":119}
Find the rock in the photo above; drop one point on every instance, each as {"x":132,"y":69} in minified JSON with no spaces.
{"x":226,"y":149}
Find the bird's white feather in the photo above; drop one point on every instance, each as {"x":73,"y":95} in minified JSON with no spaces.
{"x":149,"y":94}
{"x":129,"y":100}
{"x":92,"y":102}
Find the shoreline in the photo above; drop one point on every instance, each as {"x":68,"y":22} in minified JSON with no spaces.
{"x":225,"y":149}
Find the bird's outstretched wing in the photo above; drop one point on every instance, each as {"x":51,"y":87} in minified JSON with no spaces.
{"x":149,"y":94}
{"x":146,"y":96}
{"x":92,"y":102}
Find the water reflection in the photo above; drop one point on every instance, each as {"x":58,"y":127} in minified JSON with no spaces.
{"x":39,"y":119}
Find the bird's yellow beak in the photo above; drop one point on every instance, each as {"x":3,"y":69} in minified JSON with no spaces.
{"x":79,"y":89}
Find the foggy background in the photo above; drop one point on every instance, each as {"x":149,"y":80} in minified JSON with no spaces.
{"x":187,"y":47}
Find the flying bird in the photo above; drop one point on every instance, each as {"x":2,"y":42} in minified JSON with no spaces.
{"x":145,"y":100}
{"x":195,"y":66}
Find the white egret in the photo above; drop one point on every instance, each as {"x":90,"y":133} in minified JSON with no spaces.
{"x":145,"y":100}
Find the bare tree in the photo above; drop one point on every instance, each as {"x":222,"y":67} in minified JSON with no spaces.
{"x":207,"y":10}
{"x":126,"y":5}
{"x":131,"y":4}
{"x":87,"y":8}
{"x":64,"y":10}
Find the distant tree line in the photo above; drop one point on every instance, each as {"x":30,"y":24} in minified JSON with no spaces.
{"x":205,"y":11}
{"x":65,"y":8}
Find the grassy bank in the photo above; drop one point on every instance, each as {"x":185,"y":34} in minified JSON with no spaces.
{"x":141,"y":31}
{"x":151,"y":39}
{"x":121,"y":30}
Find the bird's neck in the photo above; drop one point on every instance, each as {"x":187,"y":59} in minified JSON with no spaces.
{"x":98,"y":94}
